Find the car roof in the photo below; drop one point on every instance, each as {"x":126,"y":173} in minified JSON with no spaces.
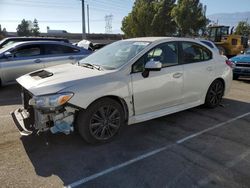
{"x":40,"y":42}
{"x":159,"y":39}
{"x":50,"y":38}
{"x":148,"y":39}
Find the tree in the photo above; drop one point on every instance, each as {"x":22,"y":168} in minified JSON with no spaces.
{"x":163,"y":23}
{"x":243,"y":28}
{"x":149,"y":18}
{"x":138,"y":22}
{"x":35,"y":28}
{"x":189,"y":16}
{"x":3,"y":32}
{"x":23,"y":29}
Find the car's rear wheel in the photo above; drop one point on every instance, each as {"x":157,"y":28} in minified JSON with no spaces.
{"x":235,"y":77}
{"x":214,"y":94}
{"x":101,"y":121}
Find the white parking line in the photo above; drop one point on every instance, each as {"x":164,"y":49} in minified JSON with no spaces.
{"x":149,"y":154}
{"x":4,"y":116}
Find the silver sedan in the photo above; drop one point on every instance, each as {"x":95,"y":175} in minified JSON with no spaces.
{"x":23,"y":57}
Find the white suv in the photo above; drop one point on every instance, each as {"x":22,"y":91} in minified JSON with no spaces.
{"x":127,"y":82}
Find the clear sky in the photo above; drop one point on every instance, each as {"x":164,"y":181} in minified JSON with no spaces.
{"x":66,"y":14}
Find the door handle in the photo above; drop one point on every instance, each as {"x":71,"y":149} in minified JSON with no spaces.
{"x":209,"y":69}
{"x":177,"y":75}
{"x":71,"y":57}
{"x":37,"y":61}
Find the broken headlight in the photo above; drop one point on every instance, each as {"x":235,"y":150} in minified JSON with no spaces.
{"x":50,"y":101}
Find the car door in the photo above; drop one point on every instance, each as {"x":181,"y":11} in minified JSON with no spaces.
{"x":25,"y":59}
{"x":56,"y":54}
{"x":161,"y":89}
{"x":198,"y":66}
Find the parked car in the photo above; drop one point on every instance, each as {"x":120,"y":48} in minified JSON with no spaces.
{"x":10,"y":40}
{"x":210,"y":44}
{"x":213,"y":47}
{"x":241,"y":64}
{"x":89,"y":45}
{"x":126,"y":82}
{"x":23,"y":57}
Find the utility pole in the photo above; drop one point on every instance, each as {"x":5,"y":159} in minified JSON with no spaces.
{"x":83,"y":21}
{"x":88,"y":18}
{"x":108,"y":20}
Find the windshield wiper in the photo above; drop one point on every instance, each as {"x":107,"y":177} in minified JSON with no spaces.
{"x":92,"y":66}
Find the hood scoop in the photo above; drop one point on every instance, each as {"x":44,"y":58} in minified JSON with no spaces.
{"x":41,"y":74}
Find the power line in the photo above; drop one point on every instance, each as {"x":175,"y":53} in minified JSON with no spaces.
{"x":56,"y":21}
{"x":107,"y":5}
{"x":40,"y":6}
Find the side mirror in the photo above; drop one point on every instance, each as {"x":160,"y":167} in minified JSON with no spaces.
{"x":153,"y":65}
{"x":7,"y":55}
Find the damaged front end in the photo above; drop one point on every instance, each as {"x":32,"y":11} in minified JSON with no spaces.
{"x":43,"y":113}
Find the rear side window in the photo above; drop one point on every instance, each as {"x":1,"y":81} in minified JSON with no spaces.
{"x":28,"y":51}
{"x":57,"y":49}
{"x":192,"y":53}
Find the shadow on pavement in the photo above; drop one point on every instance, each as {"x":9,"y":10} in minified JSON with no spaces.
{"x":71,"y":159}
{"x":244,"y":79}
{"x":10,"y":95}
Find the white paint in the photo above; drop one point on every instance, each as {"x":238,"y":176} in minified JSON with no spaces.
{"x":4,"y":116}
{"x":211,"y":128}
{"x":149,"y":154}
{"x":238,"y":159}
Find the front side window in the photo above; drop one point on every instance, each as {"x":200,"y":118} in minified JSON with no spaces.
{"x":192,"y":53}
{"x":28,"y":51}
{"x":51,"y":49}
{"x":166,"y":53}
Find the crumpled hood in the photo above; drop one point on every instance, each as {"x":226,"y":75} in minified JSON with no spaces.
{"x":244,"y":58}
{"x":62,"y":77}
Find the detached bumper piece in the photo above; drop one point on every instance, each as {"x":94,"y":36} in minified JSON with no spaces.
{"x":21,"y":119}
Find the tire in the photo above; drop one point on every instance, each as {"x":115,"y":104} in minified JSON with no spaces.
{"x":235,"y":77}
{"x":101,"y":121}
{"x":214,"y":94}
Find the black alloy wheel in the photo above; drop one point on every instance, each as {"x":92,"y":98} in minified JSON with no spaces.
{"x":105,"y":122}
{"x":214,"y":94}
{"x":101,"y":121}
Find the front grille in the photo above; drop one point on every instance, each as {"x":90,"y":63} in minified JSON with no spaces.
{"x":26,"y":96}
{"x":242,"y":64}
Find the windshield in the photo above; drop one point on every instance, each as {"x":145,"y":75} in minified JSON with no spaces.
{"x":4,"y":49}
{"x":116,"y":54}
{"x":8,"y":43}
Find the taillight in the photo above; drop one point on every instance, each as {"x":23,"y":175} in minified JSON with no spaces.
{"x":230,"y":63}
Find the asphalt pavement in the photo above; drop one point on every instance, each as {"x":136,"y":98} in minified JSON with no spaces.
{"x":198,"y":147}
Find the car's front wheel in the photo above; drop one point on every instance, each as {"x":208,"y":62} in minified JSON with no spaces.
{"x":101,"y":121}
{"x":214,"y":94}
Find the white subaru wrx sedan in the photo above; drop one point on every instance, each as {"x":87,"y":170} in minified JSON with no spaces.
{"x":127,"y":82}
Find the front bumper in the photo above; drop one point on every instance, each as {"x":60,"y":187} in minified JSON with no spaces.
{"x":242,"y":71}
{"x":21,"y":119}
